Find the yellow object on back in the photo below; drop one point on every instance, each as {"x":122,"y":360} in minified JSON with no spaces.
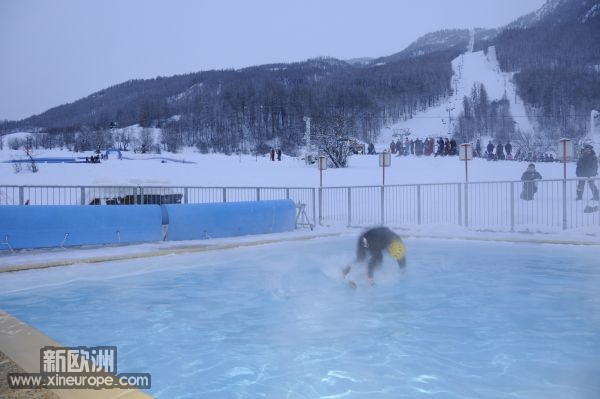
{"x":397,"y":249}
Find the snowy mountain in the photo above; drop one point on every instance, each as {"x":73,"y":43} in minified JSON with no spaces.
{"x":544,"y":64}
{"x":442,"y":40}
{"x":557,"y":12}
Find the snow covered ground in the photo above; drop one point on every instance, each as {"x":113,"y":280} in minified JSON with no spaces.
{"x":217,"y":170}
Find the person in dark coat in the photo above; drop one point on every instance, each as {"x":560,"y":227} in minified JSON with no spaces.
{"x":478,"y":148}
{"x":373,"y":242}
{"x":272,"y":154}
{"x":371,"y":149}
{"x":453,"y":148}
{"x":490,"y":150}
{"x":500,"y":151}
{"x":399,"y":148}
{"x":418,"y":147}
{"x":529,"y":178}
{"x":440,"y":147}
{"x":587,"y":167}
{"x":279,"y":154}
{"x":508,"y":148}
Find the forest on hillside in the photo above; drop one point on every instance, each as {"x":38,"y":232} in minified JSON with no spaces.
{"x":227,"y":111}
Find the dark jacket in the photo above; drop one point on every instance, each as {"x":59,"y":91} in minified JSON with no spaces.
{"x":528,"y":176}
{"x":587,"y":164}
{"x":374,"y":241}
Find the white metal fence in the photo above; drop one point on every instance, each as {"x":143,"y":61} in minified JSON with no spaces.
{"x":494,"y":206}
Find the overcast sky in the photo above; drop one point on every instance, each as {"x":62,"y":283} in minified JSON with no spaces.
{"x":57,"y":51}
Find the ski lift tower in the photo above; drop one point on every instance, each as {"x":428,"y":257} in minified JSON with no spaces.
{"x":449,"y":109}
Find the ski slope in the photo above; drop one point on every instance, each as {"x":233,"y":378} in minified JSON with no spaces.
{"x":469,"y":69}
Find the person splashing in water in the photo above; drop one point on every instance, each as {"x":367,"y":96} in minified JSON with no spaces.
{"x":374,"y":241}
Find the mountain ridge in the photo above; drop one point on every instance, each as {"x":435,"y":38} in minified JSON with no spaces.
{"x":388,"y":87}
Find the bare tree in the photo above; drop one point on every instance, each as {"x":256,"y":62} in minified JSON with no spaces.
{"x":333,"y":141}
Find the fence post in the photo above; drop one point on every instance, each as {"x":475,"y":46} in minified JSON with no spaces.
{"x":141,"y":191}
{"x":258,"y":193}
{"x":512,"y":206}
{"x":314,"y":203}
{"x":320,"y":205}
{"x":185,"y":195}
{"x":21,"y":194}
{"x":418,"y":204}
{"x":459,"y":204}
{"x":382,"y":205}
{"x":287,"y":193}
{"x":224,"y":194}
{"x":564,"y":216}
{"x":349,"y":207}
{"x":466,"y":204}
{"x":82,"y":196}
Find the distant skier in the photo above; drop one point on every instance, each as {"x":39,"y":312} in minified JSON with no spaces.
{"x":529,"y":178}
{"x":374,"y":241}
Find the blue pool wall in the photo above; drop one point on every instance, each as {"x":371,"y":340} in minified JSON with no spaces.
{"x":201,"y":221}
{"x":28,"y":227}
{"x":56,"y":225}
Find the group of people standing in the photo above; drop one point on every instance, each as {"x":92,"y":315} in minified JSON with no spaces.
{"x":501,"y":152}
{"x":586,"y":170}
{"x":273,"y":152}
{"x":495,"y":153}
{"x":418,"y":147}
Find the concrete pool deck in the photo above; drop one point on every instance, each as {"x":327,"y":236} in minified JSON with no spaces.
{"x":20,"y":346}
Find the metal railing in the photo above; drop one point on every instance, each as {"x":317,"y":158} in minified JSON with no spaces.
{"x":494,"y":206}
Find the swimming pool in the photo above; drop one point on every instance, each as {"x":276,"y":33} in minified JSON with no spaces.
{"x":465,"y":320}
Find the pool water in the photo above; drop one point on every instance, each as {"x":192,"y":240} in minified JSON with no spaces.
{"x":464,"y":320}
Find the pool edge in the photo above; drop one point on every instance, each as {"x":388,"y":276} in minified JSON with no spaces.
{"x":182,"y":249}
{"x":17,"y":342}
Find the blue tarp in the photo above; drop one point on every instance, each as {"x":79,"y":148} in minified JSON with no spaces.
{"x":24,"y":227}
